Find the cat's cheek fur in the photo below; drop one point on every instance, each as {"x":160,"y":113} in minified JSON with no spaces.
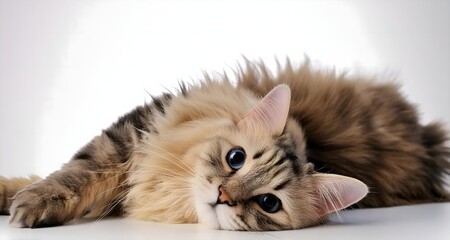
{"x":206,"y":214}
{"x":205,"y":197}
{"x":224,"y":216}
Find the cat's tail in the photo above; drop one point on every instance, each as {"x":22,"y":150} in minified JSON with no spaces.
{"x":435,"y":138}
{"x":9,"y":187}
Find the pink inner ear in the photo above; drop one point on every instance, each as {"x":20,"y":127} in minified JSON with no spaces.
{"x":336,"y":192}
{"x":271,"y":112}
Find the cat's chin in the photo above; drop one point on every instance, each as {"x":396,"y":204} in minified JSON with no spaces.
{"x":207,"y":214}
{"x":205,"y":201}
{"x":224,"y":215}
{"x":214,"y":216}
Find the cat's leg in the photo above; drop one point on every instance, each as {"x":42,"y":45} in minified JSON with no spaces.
{"x":93,"y":178}
{"x":92,"y":182}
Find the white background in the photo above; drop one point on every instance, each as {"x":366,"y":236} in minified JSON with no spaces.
{"x":69,"y":68}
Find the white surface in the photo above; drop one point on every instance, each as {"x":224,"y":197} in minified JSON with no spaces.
{"x":430,"y":221}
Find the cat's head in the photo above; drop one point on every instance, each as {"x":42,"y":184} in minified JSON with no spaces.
{"x":254,"y":175}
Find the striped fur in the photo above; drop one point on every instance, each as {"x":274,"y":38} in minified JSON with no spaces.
{"x":165,"y":161}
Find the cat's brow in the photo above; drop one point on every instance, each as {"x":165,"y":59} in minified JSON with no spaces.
{"x":286,"y":157}
{"x":282,"y":185}
{"x":259,"y":153}
{"x":274,"y":154}
{"x":222,"y":139}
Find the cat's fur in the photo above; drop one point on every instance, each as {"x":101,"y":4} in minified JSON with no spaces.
{"x":166,"y":161}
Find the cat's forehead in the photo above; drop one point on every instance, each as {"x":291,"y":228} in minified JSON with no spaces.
{"x":255,"y":144}
{"x":260,"y":141}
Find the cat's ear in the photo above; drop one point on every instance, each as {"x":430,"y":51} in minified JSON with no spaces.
{"x":336,"y":192}
{"x":271,"y":112}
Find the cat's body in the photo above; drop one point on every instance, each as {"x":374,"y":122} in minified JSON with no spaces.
{"x":178,"y":159}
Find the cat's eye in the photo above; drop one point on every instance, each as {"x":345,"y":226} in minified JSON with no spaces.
{"x":236,"y":158}
{"x":268,"y":202}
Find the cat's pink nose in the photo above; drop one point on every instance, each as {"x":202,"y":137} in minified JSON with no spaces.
{"x":224,"y":197}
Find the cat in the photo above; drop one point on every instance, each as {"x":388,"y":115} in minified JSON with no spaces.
{"x":263,"y":153}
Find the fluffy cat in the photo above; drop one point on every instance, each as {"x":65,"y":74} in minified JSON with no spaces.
{"x":267,"y":153}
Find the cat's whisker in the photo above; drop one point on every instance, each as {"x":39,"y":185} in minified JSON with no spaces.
{"x":121,"y":185}
{"x":172,"y":204}
{"x":167,"y":169}
{"x":163,"y":168}
{"x":175,"y":175}
{"x":171,"y":154}
{"x":110,"y":207}
{"x":172,"y":176}
{"x":158,"y":166}
{"x":188,"y":169}
{"x":265,"y":234}
{"x":118,"y":172}
{"x":178,"y":203}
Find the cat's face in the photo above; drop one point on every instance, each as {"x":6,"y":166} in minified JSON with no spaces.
{"x":253,"y":175}
{"x":248,"y":183}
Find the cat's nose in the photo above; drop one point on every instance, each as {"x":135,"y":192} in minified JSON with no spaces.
{"x":224,"y":197}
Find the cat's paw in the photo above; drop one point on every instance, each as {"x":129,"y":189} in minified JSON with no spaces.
{"x":41,"y":207}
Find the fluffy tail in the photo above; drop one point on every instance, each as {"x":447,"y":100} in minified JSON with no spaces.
{"x":9,"y":187}
{"x":434,"y":138}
